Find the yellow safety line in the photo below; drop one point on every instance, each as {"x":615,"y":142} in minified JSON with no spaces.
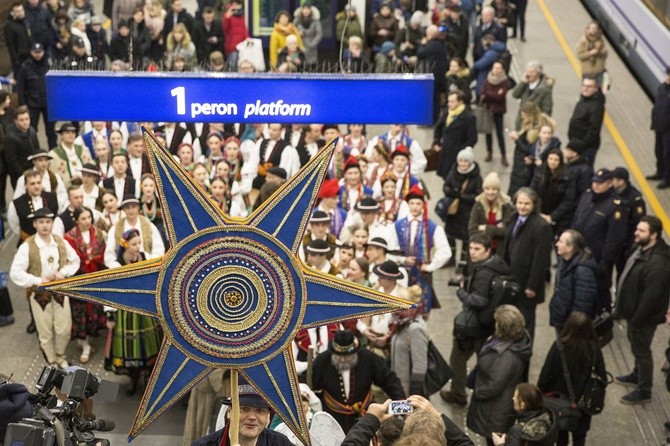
{"x":625,"y":151}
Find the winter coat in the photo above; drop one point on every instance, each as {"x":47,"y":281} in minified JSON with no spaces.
{"x":541,"y":95}
{"x":581,"y":173}
{"x":353,"y":28}
{"x":457,"y":224}
{"x":587,"y":120}
{"x":17,"y":146}
{"x":480,"y":216}
{"x":533,"y":428}
{"x":183,"y":17}
{"x":500,"y":33}
{"x":14,"y":405}
{"x":297,"y":58}
{"x":557,"y":197}
{"x":592,"y":65}
{"x":494,"y":97}
{"x":660,"y":114}
{"x":482,"y":67}
{"x":141,"y":40}
{"x":643,"y":294}
{"x":500,"y":367}
{"x":413,"y":37}
{"x":234,"y":30}
{"x":460,"y":81}
{"x":379,"y":22}
{"x":461,"y":133}
{"x":522,"y":174}
{"x":528,"y":254}
{"x":575,"y":289}
{"x":458,"y":35}
{"x":409,"y":356}
{"x":434,"y":57}
{"x":311,"y":33}
{"x":202,"y":47}
{"x":17,"y":41}
{"x":99,"y":46}
{"x":476,"y":294}
{"x":31,"y":83}
{"x":278,"y":41}
{"x":39,"y":22}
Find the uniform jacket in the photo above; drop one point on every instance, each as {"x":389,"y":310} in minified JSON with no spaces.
{"x":500,"y":367}
{"x":643,"y":294}
{"x":31,"y":83}
{"x":528,"y":254}
{"x":575,"y":289}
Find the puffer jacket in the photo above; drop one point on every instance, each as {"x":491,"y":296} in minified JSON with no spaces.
{"x":576,"y":288}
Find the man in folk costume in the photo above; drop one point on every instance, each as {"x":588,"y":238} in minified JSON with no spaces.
{"x":68,"y":157}
{"x":365,"y":213}
{"x":425,"y":244}
{"x":120,"y":183}
{"x":35,"y":198}
{"x":152,"y":243}
{"x":65,"y":220}
{"x":51,"y":182}
{"x":353,"y":189}
{"x":92,"y":192}
{"x":343,"y":378}
{"x":401,"y":169}
{"x":274,"y":151}
{"x":328,"y":200}
{"x":138,"y":161}
{"x":43,"y":258}
{"x":377,"y":252}
{"x":398,"y":136}
{"x":319,"y":224}
{"x":98,"y":131}
{"x":255,"y":416}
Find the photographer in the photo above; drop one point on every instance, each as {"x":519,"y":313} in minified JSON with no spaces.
{"x":475,"y":322}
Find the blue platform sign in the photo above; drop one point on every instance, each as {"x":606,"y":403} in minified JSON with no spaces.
{"x":261,"y":98}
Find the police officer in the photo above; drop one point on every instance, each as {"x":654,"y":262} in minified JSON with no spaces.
{"x":637,"y":208}
{"x":601,"y":217}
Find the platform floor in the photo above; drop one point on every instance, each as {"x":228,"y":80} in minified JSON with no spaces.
{"x":554,"y":27}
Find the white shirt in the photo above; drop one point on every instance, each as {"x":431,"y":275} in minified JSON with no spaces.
{"x":289,"y":160}
{"x":418,"y":159}
{"x":441,"y":252}
{"x":61,"y":192}
{"x":376,"y":229}
{"x":119,"y":187}
{"x":157,"y":248}
{"x":50,"y":260}
{"x":91,"y":198}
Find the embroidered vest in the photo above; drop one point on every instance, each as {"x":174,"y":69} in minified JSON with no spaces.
{"x":34,"y":259}
{"x":403,"y":230}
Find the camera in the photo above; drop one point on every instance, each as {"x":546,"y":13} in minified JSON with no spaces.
{"x":62,"y":425}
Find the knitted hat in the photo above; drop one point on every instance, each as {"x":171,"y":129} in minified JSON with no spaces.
{"x":491,"y":180}
{"x":387,"y":47}
{"x":466,"y":154}
{"x":416,"y":18}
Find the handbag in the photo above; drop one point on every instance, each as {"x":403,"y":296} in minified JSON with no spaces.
{"x":484,"y":119}
{"x":603,"y":324}
{"x":566,"y":411}
{"x":432,"y":159}
{"x":441,"y":207}
{"x":453,"y":206}
{"x":592,"y":401}
{"x":438,"y":372}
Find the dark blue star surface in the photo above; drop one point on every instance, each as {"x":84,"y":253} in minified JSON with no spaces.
{"x":229,"y":293}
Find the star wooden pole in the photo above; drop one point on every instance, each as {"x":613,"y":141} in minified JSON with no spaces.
{"x":235,"y":414}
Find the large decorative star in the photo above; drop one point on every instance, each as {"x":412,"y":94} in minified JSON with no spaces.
{"x":229,"y":293}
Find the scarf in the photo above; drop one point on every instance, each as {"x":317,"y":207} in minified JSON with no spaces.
{"x":453,"y":114}
{"x":496,"y":80}
{"x":286,"y":30}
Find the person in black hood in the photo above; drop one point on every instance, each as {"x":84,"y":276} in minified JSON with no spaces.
{"x":579,"y":169}
{"x":17,"y":36}
{"x":14,"y":404}
{"x":535,"y":424}
{"x":587,"y":118}
{"x":501,"y":363}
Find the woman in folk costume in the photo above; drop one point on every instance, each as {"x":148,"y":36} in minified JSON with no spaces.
{"x":380,"y":163}
{"x":150,"y":205}
{"x":355,"y":139}
{"x":111,"y":213}
{"x":491,"y":212}
{"x":136,"y":339}
{"x":400,"y":168}
{"x":425,"y":245}
{"x":87,"y":317}
{"x":353,"y":188}
{"x":392,"y":206}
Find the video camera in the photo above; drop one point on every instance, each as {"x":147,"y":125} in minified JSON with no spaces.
{"x":63,"y":425}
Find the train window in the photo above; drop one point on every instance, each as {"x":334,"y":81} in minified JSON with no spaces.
{"x":661,"y":9}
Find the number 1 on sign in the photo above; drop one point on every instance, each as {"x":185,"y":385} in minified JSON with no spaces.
{"x":180,"y":94}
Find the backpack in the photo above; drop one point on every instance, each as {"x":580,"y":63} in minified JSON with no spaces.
{"x":504,"y":290}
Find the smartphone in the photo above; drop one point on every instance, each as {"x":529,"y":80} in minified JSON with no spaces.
{"x":507,"y":130}
{"x":402,"y":407}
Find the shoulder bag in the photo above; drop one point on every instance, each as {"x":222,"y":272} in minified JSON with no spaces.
{"x":438,"y":372}
{"x":564,"y":409}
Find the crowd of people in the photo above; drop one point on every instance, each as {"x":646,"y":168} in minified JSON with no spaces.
{"x":90,"y":203}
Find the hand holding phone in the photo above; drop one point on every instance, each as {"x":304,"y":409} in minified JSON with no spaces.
{"x":401,"y":407}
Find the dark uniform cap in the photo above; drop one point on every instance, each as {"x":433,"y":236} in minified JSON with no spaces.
{"x":621,"y":172}
{"x":344,"y":343}
{"x":44,"y":212}
{"x":601,"y":176}
{"x":78,"y":42}
{"x":37,"y":47}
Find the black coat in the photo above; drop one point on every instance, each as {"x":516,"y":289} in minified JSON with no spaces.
{"x":477,"y":292}
{"x":17,"y":147}
{"x":457,"y":224}
{"x":575,"y":289}
{"x":601,"y":219}
{"x":31,"y":83}
{"x":581,"y":173}
{"x":529,"y":255}
{"x":643,"y":295}
{"x":371,"y":369}
{"x":17,"y":41}
{"x":557,"y":196}
{"x":455,"y":137}
{"x":39,"y":21}
{"x":587,"y":120}
{"x":183,"y":17}
{"x":637,"y":208}
{"x":522,"y":174}
{"x":660,"y":114}
{"x":433,"y":57}
{"x":458,"y":34}
{"x":500,"y":367}
{"x":202,"y":47}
